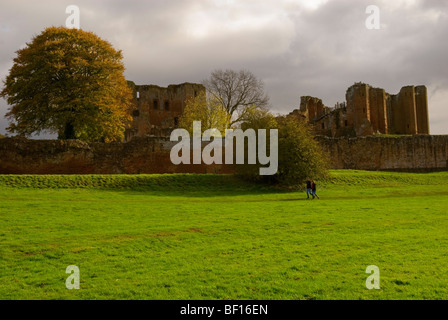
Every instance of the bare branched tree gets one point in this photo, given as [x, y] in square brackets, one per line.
[237, 91]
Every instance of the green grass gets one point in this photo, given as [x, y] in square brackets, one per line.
[213, 237]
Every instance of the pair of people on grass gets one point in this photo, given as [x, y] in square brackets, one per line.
[311, 189]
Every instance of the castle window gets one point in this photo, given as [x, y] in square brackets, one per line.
[195, 93]
[138, 95]
[346, 123]
[176, 122]
[167, 105]
[155, 104]
[135, 113]
[323, 125]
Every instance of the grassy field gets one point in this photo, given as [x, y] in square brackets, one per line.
[213, 237]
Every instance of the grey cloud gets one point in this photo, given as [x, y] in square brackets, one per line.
[295, 50]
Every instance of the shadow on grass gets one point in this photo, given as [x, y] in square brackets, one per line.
[212, 188]
[176, 185]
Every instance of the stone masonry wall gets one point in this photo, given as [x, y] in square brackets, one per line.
[413, 153]
[140, 155]
[157, 109]
[152, 155]
[369, 110]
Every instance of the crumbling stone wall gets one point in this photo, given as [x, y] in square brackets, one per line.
[152, 155]
[140, 155]
[368, 111]
[157, 109]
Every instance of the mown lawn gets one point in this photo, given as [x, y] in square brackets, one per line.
[213, 237]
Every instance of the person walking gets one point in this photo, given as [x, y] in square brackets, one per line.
[313, 189]
[308, 188]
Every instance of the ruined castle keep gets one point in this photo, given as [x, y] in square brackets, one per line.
[369, 111]
[157, 109]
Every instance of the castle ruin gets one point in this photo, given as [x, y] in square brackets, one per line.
[157, 109]
[369, 111]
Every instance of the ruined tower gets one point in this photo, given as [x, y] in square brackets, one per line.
[358, 107]
[308, 105]
[421, 105]
[157, 109]
[407, 112]
[370, 110]
[378, 111]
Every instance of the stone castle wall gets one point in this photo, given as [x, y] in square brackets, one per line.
[140, 155]
[152, 155]
[413, 153]
[157, 109]
[369, 110]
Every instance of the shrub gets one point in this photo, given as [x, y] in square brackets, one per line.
[299, 154]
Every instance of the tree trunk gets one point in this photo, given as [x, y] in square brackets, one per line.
[69, 132]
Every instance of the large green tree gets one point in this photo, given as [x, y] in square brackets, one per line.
[299, 154]
[70, 82]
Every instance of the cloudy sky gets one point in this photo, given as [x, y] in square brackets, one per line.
[309, 47]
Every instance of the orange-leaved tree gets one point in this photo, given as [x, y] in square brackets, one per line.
[70, 82]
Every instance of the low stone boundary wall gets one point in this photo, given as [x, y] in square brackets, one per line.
[152, 155]
[408, 153]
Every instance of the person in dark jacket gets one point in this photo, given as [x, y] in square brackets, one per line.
[308, 188]
[313, 190]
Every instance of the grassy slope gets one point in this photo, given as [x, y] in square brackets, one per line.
[212, 237]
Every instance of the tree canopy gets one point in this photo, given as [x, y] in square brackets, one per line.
[299, 154]
[236, 91]
[208, 110]
[70, 82]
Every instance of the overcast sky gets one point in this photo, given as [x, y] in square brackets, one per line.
[310, 47]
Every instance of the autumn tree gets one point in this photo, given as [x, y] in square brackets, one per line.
[236, 91]
[70, 82]
[208, 110]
